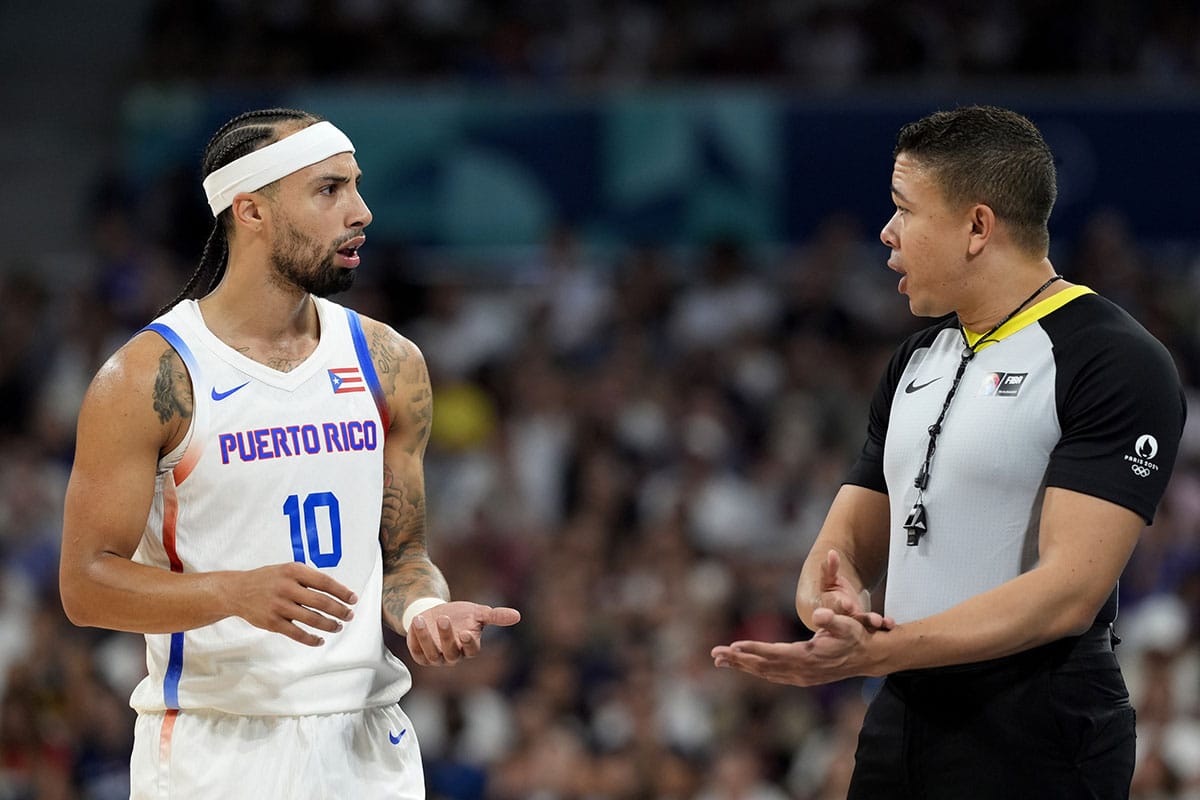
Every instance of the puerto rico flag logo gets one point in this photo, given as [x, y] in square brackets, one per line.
[346, 379]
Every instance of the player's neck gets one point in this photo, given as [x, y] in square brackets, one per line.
[248, 305]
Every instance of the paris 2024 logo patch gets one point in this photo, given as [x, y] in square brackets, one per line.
[1142, 459]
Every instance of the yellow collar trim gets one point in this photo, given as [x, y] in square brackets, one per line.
[1029, 316]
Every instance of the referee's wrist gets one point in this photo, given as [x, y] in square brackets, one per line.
[418, 606]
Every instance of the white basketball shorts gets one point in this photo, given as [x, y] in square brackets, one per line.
[201, 755]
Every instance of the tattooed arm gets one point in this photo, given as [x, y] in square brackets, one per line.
[446, 632]
[408, 572]
[138, 407]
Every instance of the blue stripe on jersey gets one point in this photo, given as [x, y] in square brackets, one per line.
[174, 672]
[178, 345]
[175, 660]
[368, 368]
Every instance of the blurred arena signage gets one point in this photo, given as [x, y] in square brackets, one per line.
[464, 168]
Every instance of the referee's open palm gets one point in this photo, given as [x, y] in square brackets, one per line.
[835, 652]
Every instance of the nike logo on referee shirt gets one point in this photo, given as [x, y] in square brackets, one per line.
[222, 395]
[395, 738]
[913, 386]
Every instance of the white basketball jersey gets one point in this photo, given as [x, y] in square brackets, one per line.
[275, 467]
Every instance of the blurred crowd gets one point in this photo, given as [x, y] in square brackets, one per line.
[825, 43]
[635, 447]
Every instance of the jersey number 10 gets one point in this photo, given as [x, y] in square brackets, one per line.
[311, 535]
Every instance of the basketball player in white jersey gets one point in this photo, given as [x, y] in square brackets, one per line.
[248, 492]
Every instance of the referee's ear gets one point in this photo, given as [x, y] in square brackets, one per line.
[982, 221]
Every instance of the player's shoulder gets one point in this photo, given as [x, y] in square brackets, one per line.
[145, 383]
[402, 373]
[138, 365]
[388, 345]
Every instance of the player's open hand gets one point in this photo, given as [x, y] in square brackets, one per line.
[448, 633]
[277, 597]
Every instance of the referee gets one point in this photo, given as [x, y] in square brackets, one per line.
[1015, 449]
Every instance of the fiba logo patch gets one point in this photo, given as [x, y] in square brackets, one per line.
[1142, 462]
[1002, 384]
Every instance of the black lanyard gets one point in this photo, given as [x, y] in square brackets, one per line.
[917, 523]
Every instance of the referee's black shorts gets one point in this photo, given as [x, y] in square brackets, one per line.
[1054, 722]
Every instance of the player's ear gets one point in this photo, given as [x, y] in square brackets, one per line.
[249, 210]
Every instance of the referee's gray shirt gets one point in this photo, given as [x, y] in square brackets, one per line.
[1072, 393]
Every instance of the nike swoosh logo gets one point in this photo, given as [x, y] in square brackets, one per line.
[395, 738]
[222, 395]
[913, 387]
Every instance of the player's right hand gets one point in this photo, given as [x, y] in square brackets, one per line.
[277, 597]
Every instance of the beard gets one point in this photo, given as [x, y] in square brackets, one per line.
[300, 262]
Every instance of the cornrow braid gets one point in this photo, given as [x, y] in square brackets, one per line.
[239, 136]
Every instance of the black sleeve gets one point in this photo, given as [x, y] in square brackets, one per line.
[1121, 408]
[867, 470]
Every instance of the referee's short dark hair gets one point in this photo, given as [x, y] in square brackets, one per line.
[989, 155]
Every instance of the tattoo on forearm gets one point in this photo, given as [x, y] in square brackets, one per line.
[402, 525]
[172, 388]
[407, 569]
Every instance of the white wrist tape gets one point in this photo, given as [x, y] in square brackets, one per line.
[268, 164]
[416, 607]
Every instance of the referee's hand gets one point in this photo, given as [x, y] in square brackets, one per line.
[838, 650]
[840, 596]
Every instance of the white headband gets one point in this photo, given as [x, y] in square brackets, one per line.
[268, 164]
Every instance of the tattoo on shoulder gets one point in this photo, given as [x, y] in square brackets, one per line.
[405, 380]
[387, 356]
[172, 388]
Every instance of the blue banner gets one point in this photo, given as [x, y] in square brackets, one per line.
[680, 165]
